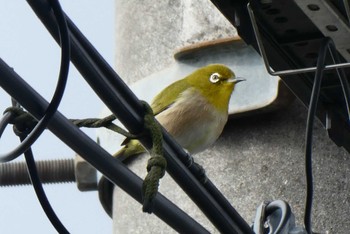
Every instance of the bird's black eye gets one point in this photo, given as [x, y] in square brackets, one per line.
[214, 78]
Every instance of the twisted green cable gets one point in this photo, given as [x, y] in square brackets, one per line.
[156, 164]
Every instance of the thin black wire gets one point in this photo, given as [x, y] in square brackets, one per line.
[6, 118]
[51, 110]
[40, 193]
[61, 84]
[309, 133]
[327, 44]
[342, 77]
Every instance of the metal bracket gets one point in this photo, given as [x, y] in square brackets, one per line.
[266, 61]
[329, 21]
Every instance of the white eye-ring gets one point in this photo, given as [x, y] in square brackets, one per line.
[214, 78]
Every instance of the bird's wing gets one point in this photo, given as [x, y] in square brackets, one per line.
[168, 96]
[160, 103]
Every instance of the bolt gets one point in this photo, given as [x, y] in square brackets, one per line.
[51, 171]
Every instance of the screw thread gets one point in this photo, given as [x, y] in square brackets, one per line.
[50, 171]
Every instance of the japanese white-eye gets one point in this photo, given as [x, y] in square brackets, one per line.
[194, 110]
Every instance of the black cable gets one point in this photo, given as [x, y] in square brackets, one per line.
[27, 141]
[4, 122]
[36, 182]
[327, 44]
[110, 75]
[40, 193]
[83, 145]
[309, 132]
[113, 94]
[7, 117]
[342, 77]
[185, 158]
[61, 84]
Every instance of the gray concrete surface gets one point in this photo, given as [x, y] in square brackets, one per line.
[257, 158]
[265, 159]
[148, 32]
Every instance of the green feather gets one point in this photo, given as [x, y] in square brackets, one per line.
[168, 96]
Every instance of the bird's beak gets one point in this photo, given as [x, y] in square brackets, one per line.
[236, 80]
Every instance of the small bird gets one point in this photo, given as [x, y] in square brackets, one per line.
[194, 110]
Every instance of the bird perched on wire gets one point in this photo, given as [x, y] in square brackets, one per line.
[194, 110]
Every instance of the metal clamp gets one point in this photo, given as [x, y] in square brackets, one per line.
[276, 217]
[266, 61]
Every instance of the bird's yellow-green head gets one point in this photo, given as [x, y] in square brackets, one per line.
[216, 83]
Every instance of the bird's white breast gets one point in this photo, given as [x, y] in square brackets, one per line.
[192, 121]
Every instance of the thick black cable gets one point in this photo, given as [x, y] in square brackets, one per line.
[110, 95]
[122, 102]
[58, 94]
[40, 193]
[185, 158]
[110, 75]
[309, 133]
[83, 145]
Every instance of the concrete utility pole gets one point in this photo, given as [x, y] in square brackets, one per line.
[259, 156]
